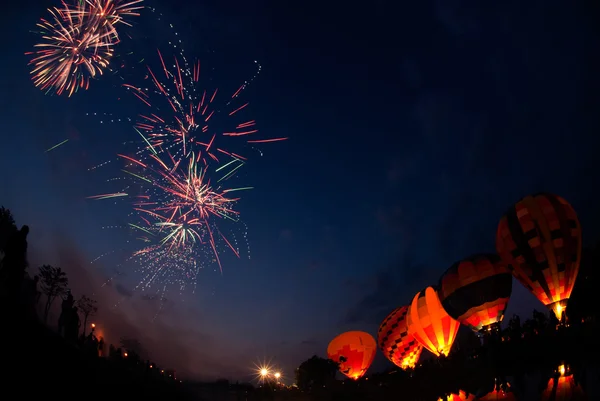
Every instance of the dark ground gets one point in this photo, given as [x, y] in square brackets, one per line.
[39, 363]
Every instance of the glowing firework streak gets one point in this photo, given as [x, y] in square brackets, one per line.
[77, 44]
[178, 207]
[107, 14]
[187, 128]
[57, 145]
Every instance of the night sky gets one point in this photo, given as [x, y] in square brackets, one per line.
[412, 129]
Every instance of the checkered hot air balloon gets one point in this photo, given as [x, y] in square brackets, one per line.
[461, 396]
[354, 351]
[396, 343]
[539, 240]
[475, 291]
[430, 324]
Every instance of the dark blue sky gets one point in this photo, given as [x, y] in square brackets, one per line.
[412, 129]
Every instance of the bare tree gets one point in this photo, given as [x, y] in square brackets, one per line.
[54, 282]
[88, 308]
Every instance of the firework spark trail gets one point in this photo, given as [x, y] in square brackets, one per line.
[174, 173]
[187, 127]
[183, 117]
[178, 207]
[106, 14]
[77, 43]
[56, 146]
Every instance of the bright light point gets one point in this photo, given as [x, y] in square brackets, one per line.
[562, 370]
[277, 375]
[264, 372]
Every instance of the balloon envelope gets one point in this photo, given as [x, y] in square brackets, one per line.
[475, 291]
[430, 324]
[400, 347]
[354, 351]
[539, 240]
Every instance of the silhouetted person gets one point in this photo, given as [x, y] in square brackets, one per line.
[15, 262]
[101, 346]
[66, 314]
[30, 295]
[72, 325]
[34, 286]
[112, 352]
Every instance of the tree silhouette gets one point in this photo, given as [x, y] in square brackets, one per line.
[133, 346]
[13, 254]
[88, 308]
[54, 282]
[315, 372]
[7, 227]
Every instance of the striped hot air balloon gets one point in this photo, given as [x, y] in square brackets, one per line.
[354, 351]
[430, 324]
[539, 240]
[475, 291]
[396, 343]
[461, 396]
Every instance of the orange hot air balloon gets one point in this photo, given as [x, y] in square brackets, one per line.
[562, 387]
[394, 341]
[461, 396]
[430, 324]
[475, 291]
[539, 240]
[354, 351]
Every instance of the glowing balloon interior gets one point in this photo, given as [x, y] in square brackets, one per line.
[354, 351]
[430, 324]
[475, 291]
[398, 346]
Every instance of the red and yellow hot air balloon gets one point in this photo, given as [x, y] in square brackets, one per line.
[539, 240]
[461, 396]
[430, 324]
[396, 343]
[354, 351]
[475, 291]
[562, 387]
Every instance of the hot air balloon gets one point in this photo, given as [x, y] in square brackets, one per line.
[430, 324]
[394, 341]
[475, 291]
[562, 387]
[539, 240]
[354, 351]
[461, 396]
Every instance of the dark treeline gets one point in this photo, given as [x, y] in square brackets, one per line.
[540, 345]
[73, 362]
